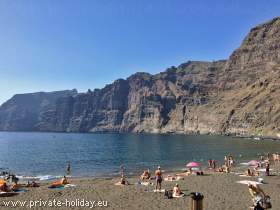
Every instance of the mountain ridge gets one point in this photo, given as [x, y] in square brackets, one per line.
[237, 96]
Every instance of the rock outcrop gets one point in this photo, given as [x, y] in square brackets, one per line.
[238, 96]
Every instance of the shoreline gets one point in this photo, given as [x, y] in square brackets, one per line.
[234, 135]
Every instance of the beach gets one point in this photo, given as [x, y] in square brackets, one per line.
[220, 190]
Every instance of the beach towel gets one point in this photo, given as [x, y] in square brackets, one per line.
[159, 191]
[56, 187]
[248, 182]
[179, 196]
[69, 185]
[62, 186]
[20, 190]
[244, 175]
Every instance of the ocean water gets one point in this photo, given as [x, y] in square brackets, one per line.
[47, 154]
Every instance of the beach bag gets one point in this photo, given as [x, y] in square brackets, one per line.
[258, 207]
[168, 194]
[266, 204]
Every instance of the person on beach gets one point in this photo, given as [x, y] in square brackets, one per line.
[177, 191]
[122, 170]
[267, 169]
[158, 174]
[64, 181]
[123, 180]
[256, 193]
[227, 169]
[256, 171]
[226, 161]
[231, 161]
[4, 187]
[146, 175]
[209, 163]
[249, 172]
[214, 162]
[32, 184]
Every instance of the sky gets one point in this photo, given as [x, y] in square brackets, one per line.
[85, 44]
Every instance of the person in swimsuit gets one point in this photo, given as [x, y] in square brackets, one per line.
[123, 180]
[64, 181]
[146, 175]
[256, 192]
[158, 174]
[4, 187]
[68, 169]
[177, 191]
[267, 169]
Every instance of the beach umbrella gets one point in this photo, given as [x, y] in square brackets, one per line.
[253, 163]
[192, 165]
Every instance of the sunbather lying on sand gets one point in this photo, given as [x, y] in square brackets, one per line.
[220, 169]
[59, 183]
[186, 173]
[171, 178]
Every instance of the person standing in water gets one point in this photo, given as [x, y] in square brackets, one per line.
[68, 169]
[158, 174]
[122, 170]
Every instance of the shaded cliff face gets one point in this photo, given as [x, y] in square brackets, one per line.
[23, 111]
[100, 110]
[235, 96]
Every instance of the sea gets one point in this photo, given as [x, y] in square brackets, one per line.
[46, 155]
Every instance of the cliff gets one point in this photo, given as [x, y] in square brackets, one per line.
[23, 111]
[240, 95]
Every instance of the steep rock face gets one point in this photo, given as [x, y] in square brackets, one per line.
[100, 110]
[257, 55]
[240, 95]
[22, 111]
[249, 84]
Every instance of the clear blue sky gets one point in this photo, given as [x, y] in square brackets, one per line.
[63, 44]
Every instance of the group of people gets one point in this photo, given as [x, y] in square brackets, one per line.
[15, 186]
[146, 175]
